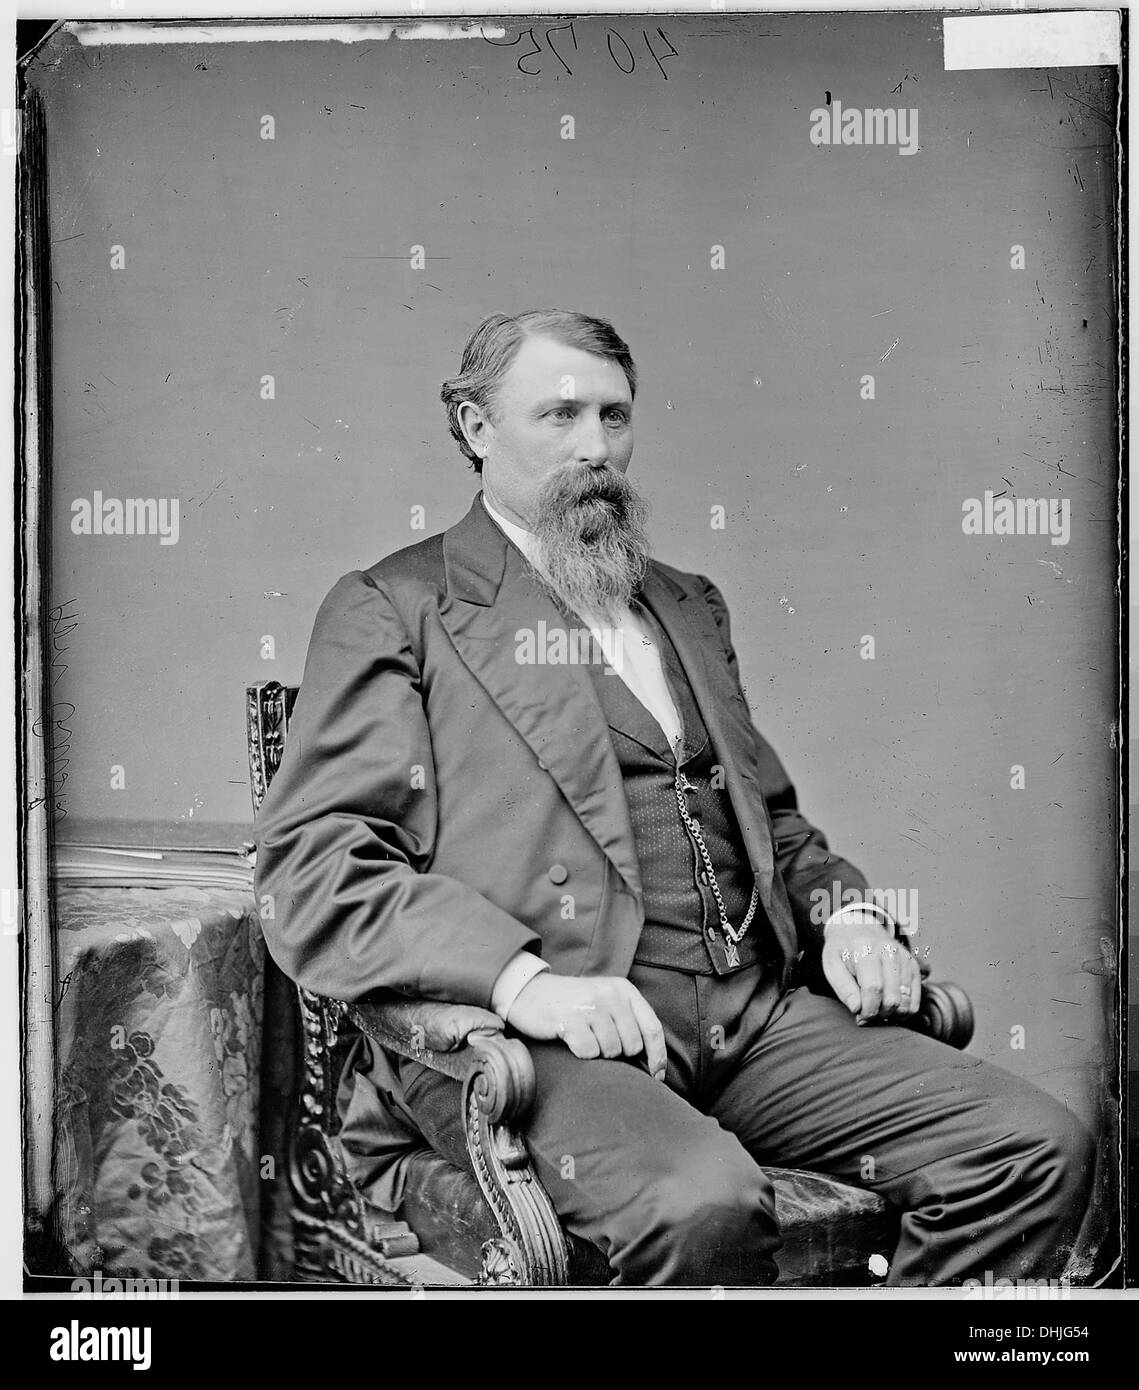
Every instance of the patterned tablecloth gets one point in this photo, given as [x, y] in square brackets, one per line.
[159, 1040]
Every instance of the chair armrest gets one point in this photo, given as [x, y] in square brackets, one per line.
[462, 1041]
[496, 1076]
[946, 1014]
[413, 1027]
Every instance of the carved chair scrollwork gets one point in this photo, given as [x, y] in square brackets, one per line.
[500, 1227]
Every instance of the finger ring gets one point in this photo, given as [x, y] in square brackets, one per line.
[844, 955]
[903, 989]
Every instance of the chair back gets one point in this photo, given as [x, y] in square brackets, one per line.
[319, 1183]
[268, 708]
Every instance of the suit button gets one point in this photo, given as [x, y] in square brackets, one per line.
[558, 873]
[703, 877]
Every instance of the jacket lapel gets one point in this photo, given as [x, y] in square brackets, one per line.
[493, 602]
[492, 608]
[626, 715]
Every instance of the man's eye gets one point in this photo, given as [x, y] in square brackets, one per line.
[618, 417]
[562, 412]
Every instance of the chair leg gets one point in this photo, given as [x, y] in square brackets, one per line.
[328, 1254]
[501, 1265]
[532, 1248]
[330, 1234]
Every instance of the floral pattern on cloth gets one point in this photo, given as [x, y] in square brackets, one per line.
[159, 1041]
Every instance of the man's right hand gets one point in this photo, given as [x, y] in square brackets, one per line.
[606, 1017]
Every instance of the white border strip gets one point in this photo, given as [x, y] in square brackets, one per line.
[105, 35]
[1059, 39]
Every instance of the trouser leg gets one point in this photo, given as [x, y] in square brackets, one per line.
[667, 1194]
[990, 1173]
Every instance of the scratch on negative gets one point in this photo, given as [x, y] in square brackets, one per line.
[890, 349]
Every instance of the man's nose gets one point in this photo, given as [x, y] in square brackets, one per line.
[591, 444]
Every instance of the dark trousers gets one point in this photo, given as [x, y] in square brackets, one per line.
[989, 1172]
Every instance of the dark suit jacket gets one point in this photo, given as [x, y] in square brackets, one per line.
[438, 801]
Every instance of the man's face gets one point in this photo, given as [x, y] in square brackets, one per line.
[557, 408]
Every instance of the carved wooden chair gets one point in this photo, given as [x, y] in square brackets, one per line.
[499, 1227]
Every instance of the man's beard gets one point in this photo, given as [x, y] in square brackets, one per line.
[592, 551]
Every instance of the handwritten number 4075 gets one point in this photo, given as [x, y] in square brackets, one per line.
[621, 53]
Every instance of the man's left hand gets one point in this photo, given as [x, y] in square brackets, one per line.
[874, 975]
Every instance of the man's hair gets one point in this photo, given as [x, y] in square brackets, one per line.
[493, 346]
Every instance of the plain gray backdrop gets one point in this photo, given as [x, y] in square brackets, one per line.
[291, 257]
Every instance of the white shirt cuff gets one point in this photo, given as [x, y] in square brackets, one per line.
[518, 971]
[852, 911]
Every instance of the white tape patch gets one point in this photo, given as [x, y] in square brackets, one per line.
[1060, 39]
[93, 32]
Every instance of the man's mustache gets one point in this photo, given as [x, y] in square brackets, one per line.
[577, 486]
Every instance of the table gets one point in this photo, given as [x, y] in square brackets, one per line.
[157, 1167]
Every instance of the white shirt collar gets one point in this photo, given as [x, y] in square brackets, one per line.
[522, 538]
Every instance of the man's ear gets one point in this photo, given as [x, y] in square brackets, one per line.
[475, 426]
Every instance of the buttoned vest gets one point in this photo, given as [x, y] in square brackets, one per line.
[682, 920]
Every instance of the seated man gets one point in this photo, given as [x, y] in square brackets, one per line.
[521, 774]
